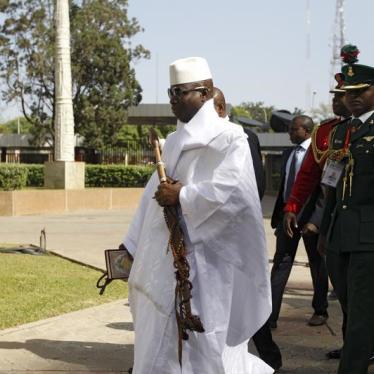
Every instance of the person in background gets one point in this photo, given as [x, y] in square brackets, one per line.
[348, 224]
[307, 228]
[310, 173]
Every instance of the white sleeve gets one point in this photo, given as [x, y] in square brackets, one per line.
[201, 200]
[131, 238]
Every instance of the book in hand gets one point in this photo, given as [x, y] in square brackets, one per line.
[118, 263]
[118, 266]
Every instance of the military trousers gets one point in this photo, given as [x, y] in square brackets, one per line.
[352, 275]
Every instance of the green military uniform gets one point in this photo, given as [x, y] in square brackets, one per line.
[349, 217]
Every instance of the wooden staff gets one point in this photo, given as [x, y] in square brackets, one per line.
[153, 139]
[185, 319]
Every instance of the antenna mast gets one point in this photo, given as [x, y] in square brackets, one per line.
[308, 21]
[338, 40]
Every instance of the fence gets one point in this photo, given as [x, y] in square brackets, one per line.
[132, 153]
[26, 155]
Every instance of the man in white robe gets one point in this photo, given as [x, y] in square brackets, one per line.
[224, 234]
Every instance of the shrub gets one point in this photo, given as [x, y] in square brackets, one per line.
[12, 177]
[117, 175]
[35, 175]
[17, 176]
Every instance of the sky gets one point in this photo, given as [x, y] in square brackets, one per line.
[257, 50]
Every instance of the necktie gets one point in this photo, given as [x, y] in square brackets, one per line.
[291, 174]
[355, 124]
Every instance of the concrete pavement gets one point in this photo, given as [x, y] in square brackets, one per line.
[99, 339]
[83, 236]
[94, 340]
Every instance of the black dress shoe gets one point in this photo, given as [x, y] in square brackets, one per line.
[332, 296]
[334, 355]
[318, 319]
[371, 359]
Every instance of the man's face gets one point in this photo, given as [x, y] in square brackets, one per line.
[185, 101]
[297, 132]
[338, 104]
[220, 109]
[360, 101]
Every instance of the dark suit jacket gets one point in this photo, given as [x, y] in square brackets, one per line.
[254, 145]
[309, 206]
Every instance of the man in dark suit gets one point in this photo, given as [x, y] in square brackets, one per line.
[254, 145]
[308, 222]
[253, 142]
[348, 222]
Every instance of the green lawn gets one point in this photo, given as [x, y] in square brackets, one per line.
[38, 287]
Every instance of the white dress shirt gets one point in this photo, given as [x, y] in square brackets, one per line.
[364, 117]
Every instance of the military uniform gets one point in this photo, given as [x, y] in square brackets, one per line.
[309, 176]
[310, 172]
[349, 226]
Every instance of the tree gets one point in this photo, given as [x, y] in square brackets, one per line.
[298, 111]
[253, 110]
[323, 112]
[12, 126]
[133, 135]
[104, 83]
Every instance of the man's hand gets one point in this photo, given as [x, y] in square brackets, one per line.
[168, 193]
[289, 223]
[309, 229]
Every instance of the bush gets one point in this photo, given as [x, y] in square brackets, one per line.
[12, 177]
[17, 176]
[117, 175]
[35, 175]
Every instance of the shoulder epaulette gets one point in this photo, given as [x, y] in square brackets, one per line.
[332, 153]
[328, 121]
[320, 138]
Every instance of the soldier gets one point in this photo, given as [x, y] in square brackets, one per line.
[348, 222]
[310, 173]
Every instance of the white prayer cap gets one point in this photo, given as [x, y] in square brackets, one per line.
[190, 69]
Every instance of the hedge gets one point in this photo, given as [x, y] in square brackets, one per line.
[35, 175]
[117, 175]
[17, 176]
[12, 177]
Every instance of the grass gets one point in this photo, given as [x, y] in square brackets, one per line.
[38, 287]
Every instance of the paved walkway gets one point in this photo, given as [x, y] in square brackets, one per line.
[99, 339]
[94, 340]
[83, 236]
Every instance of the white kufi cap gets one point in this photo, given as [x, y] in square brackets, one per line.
[190, 69]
